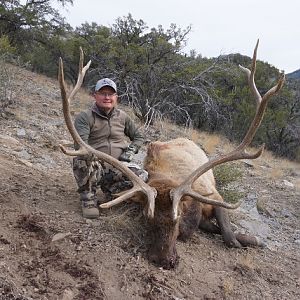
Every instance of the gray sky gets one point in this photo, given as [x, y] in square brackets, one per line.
[218, 26]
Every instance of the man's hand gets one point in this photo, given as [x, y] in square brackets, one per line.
[128, 153]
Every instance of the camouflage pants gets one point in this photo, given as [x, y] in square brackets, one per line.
[91, 174]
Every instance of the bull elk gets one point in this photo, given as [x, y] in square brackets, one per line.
[181, 193]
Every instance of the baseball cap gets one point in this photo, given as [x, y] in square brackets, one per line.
[105, 82]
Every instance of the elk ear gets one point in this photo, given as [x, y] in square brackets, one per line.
[184, 204]
[186, 200]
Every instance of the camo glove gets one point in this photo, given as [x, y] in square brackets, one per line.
[128, 153]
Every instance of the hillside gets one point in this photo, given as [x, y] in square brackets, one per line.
[294, 75]
[48, 251]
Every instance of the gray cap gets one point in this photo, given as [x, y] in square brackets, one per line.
[105, 82]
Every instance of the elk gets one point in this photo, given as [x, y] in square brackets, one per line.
[180, 195]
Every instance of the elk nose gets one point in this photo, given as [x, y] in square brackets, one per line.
[173, 262]
[160, 262]
[169, 263]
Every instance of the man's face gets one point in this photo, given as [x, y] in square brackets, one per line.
[106, 98]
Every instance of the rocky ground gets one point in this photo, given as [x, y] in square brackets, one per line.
[48, 251]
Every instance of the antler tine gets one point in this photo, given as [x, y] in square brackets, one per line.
[250, 75]
[260, 101]
[82, 71]
[66, 103]
[238, 153]
[139, 186]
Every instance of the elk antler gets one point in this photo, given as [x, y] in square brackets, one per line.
[139, 186]
[238, 153]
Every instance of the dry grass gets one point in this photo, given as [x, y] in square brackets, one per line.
[21, 115]
[228, 286]
[119, 217]
[168, 130]
[275, 173]
[127, 219]
[279, 162]
[246, 262]
[82, 101]
[296, 182]
[280, 168]
[211, 144]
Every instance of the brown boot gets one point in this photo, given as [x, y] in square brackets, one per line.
[88, 205]
[89, 209]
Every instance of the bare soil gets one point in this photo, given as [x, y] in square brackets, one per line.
[48, 251]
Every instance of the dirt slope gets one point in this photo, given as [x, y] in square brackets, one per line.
[48, 251]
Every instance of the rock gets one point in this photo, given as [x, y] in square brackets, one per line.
[9, 112]
[288, 184]
[46, 161]
[26, 162]
[23, 154]
[21, 133]
[251, 221]
[67, 295]
[295, 173]
[33, 135]
[286, 213]
[66, 143]
[256, 227]
[56, 122]
[10, 142]
[60, 236]
[262, 208]
[248, 163]
[55, 112]
[251, 196]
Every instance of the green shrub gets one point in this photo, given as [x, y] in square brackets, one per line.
[6, 73]
[226, 175]
[5, 47]
[6, 85]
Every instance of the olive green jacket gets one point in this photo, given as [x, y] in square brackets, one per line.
[107, 132]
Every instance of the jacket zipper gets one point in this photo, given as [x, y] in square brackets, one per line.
[108, 137]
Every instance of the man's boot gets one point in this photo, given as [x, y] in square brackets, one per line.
[88, 205]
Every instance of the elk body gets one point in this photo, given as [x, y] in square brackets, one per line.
[181, 194]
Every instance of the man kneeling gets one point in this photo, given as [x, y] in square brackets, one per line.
[105, 128]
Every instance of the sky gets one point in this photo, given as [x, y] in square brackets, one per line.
[218, 26]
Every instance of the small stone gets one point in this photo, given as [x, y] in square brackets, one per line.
[21, 133]
[248, 163]
[252, 196]
[60, 236]
[26, 162]
[288, 184]
[23, 154]
[67, 295]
